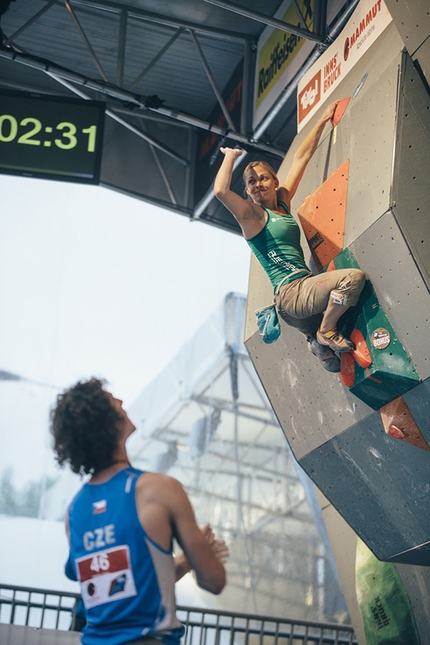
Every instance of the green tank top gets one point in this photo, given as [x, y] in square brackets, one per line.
[277, 247]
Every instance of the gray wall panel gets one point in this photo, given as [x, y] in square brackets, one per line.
[312, 405]
[416, 581]
[418, 401]
[422, 58]
[365, 135]
[379, 485]
[411, 186]
[384, 255]
[412, 20]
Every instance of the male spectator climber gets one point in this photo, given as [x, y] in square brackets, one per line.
[121, 526]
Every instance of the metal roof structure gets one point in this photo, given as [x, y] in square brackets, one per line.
[177, 79]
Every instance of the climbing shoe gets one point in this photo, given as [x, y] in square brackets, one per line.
[325, 355]
[335, 341]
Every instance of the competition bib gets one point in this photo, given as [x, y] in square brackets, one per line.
[105, 576]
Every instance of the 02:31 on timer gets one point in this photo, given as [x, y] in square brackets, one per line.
[31, 131]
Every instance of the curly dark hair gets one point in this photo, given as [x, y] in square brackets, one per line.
[85, 427]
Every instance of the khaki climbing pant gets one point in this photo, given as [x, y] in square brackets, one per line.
[302, 302]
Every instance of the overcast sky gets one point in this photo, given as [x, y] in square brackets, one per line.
[96, 283]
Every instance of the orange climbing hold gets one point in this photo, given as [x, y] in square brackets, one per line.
[347, 369]
[399, 423]
[361, 352]
[340, 111]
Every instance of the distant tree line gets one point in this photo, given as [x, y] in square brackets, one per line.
[24, 501]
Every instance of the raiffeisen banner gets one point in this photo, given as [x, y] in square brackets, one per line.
[280, 55]
[366, 24]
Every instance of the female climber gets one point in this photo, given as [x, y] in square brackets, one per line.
[311, 303]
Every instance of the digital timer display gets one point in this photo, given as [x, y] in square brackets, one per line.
[51, 137]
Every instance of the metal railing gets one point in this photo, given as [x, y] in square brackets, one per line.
[55, 610]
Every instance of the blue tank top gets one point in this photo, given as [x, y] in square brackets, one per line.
[277, 247]
[127, 581]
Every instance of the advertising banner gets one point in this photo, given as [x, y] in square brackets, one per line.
[366, 24]
[280, 55]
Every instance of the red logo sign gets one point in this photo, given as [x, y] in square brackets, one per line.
[309, 96]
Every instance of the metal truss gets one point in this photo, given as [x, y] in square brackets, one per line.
[112, 73]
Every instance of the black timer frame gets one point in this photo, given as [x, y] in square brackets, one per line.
[51, 137]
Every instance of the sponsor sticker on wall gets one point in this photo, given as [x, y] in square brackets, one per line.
[366, 24]
[280, 56]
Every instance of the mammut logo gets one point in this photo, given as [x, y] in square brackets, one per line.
[355, 36]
